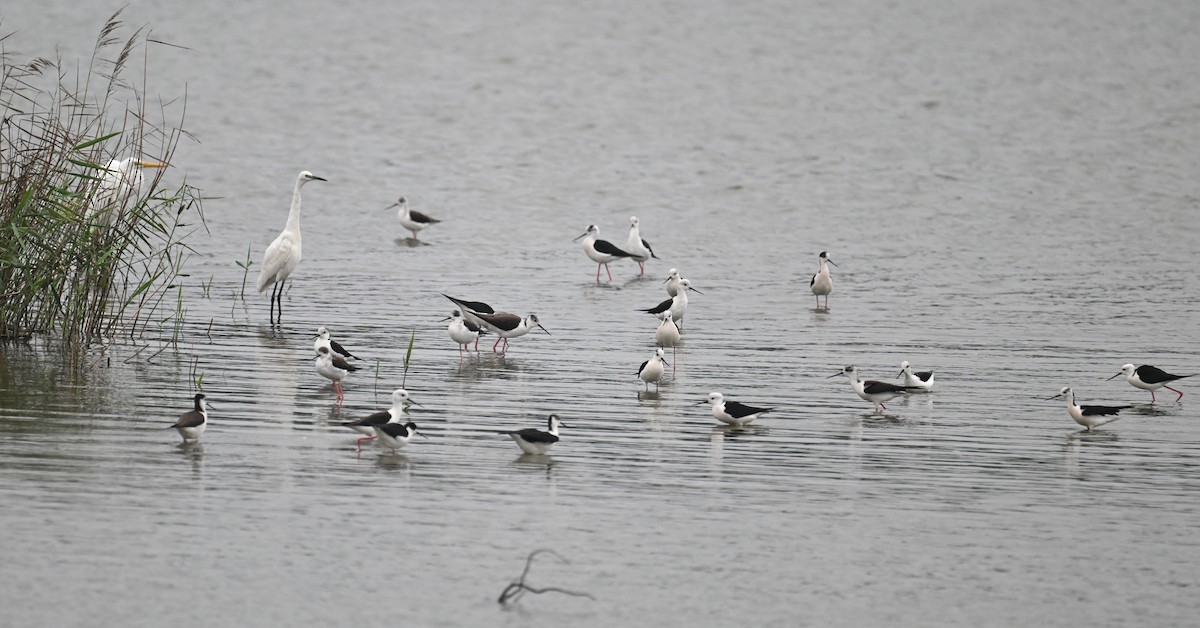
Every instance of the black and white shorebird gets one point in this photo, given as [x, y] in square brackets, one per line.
[507, 326]
[1088, 416]
[393, 436]
[667, 335]
[676, 305]
[471, 308]
[334, 368]
[412, 219]
[366, 425]
[921, 381]
[672, 282]
[1150, 378]
[652, 370]
[872, 390]
[732, 412]
[639, 249]
[537, 442]
[283, 255]
[463, 332]
[191, 424]
[323, 340]
[821, 283]
[600, 251]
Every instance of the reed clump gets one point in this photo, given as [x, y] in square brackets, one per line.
[89, 251]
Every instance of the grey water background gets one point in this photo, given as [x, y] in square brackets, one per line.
[1009, 189]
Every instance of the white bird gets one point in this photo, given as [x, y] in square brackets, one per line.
[672, 282]
[412, 219]
[393, 436]
[667, 335]
[463, 332]
[652, 370]
[600, 251]
[322, 340]
[1088, 416]
[872, 390]
[822, 283]
[917, 382]
[732, 412]
[366, 425]
[676, 305]
[121, 181]
[639, 250]
[537, 442]
[191, 424]
[331, 366]
[283, 256]
[1150, 378]
[507, 326]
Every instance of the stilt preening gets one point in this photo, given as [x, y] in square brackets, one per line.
[463, 332]
[600, 251]
[1150, 378]
[283, 255]
[1088, 416]
[470, 311]
[639, 250]
[332, 367]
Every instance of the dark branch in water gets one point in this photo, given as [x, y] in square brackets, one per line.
[516, 589]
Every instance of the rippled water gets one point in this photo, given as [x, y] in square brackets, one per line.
[1009, 190]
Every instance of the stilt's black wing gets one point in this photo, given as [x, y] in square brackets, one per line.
[531, 435]
[642, 367]
[872, 387]
[739, 410]
[608, 248]
[343, 364]
[1101, 410]
[191, 418]
[924, 375]
[647, 245]
[502, 320]
[474, 306]
[340, 350]
[1155, 375]
[660, 308]
[419, 217]
[379, 418]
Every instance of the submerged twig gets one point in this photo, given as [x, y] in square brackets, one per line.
[517, 588]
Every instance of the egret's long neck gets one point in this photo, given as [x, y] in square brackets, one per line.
[293, 223]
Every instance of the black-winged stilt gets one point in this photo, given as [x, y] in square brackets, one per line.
[1088, 416]
[537, 442]
[1150, 378]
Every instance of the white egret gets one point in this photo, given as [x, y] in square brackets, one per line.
[283, 256]
[121, 181]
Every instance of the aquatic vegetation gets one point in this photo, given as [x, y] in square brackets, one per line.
[91, 238]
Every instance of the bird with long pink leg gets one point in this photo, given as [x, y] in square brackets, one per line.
[333, 368]
[367, 424]
[600, 251]
[1150, 378]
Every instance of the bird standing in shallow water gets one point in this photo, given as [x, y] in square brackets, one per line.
[412, 219]
[652, 370]
[639, 250]
[916, 382]
[507, 326]
[191, 424]
[537, 442]
[822, 283]
[871, 390]
[322, 340]
[676, 306]
[600, 251]
[1150, 378]
[366, 425]
[1088, 416]
[393, 436]
[332, 367]
[283, 255]
[732, 412]
[463, 332]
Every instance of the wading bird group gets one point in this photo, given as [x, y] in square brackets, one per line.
[472, 319]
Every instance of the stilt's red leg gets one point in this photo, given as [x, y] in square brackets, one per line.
[642, 267]
[1152, 399]
[359, 441]
[597, 273]
[476, 344]
[497, 343]
[1178, 391]
[609, 271]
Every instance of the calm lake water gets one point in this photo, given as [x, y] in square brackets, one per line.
[1009, 189]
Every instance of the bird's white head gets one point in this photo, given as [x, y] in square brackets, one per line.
[848, 371]
[323, 353]
[660, 353]
[1065, 392]
[307, 176]
[322, 333]
[716, 398]
[1128, 369]
[686, 284]
[592, 231]
[533, 321]
[399, 396]
[554, 423]
[904, 366]
[633, 221]
[825, 258]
